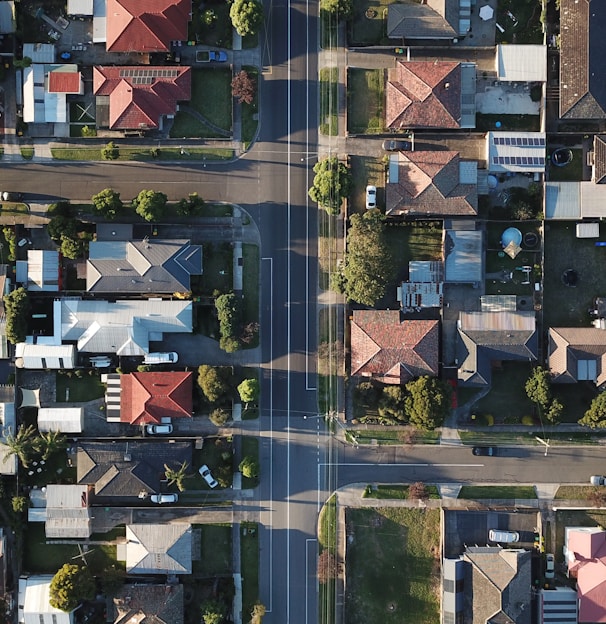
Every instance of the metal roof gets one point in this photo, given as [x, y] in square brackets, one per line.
[40, 52]
[562, 200]
[521, 63]
[463, 256]
[7, 17]
[516, 151]
[79, 7]
[63, 419]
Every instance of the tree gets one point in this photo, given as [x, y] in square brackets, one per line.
[110, 151]
[73, 248]
[50, 442]
[340, 8]
[176, 477]
[229, 312]
[368, 265]
[212, 611]
[428, 402]
[16, 308]
[19, 504]
[418, 491]
[11, 239]
[258, 613]
[332, 183]
[70, 586]
[26, 61]
[87, 132]
[151, 205]
[249, 391]
[107, 203]
[213, 383]
[22, 444]
[538, 388]
[243, 87]
[246, 16]
[554, 411]
[392, 403]
[62, 225]
[219, 417]
[193, 206]
[328, 566]
[595, 416]
[249, 467]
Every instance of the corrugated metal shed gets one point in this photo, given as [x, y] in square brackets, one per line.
[39, 52]
[562, 201]
[63, 419]
[80, 7]
[522, 63]
[67, 512]
[99, 21]
[588, 230]
[498, 303]
[42, 270]
[463, 256]
[468, 95]
[34, 602]
[40, 357]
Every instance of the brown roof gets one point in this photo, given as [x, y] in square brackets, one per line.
[146, 25]
[139, 96]
[438, 19]
[149, 604]
[391, 350]
[64, 82]
[428, 183]
[582, 52]
[423, 94]
[149, 397]
[570, 345]
[599, 159]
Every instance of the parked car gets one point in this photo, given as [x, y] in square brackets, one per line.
[7, 196]
[597, 480]
[371, 197]
[159, 429]
[100, 362]
[549, 566]
[207, 56]
[397, 146]
[207, 476]
[164, 499]
[488, 451]
[506, 537]
[161, 358]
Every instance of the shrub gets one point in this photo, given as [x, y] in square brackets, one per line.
[219, 417]
[110, 151]
[249, 467]
[328, 567]
[418, 491]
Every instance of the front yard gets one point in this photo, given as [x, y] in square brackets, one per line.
[365, 100]
[215, 555]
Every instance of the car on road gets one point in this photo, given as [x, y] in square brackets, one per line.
[391, 145]
[487, 451]
[597, 480]
[207, 476]
[8, 196]
[371, 197]
[549, 566]
[505, 537]
[159, 429]
[164, 499]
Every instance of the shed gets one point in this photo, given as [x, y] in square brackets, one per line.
[39, 52]
[463, 256]
[521, 63]
[588, 230]
[80, 7]
[42, 270]
[63, 419]
[34, 602]
[41, 357]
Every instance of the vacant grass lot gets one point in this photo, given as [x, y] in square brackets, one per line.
[369, 22]
[393, 566]
[471, 492]
[78, 389]
[215, 550]
[564, 306]
[365, 170]
[365, 100]
[573, 171]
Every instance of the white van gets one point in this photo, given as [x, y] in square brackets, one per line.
[505, 537]
[161, 358]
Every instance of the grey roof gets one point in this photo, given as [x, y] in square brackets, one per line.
[128, 468]
[7, 17]
[438, 19]
[463, 256]
[157, 266]
[159, 548]
[122, 327]
[149, 604]
[114, 231]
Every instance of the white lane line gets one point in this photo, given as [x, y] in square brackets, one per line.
[307, 542]
[288, 319]
[330, 465]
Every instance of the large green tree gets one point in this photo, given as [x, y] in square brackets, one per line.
[595, 416]
[249, 390]
[229, 312]
[70, 586]
[332, 184]
[368, 265]
[107, 203]
[392, 403]
[246, 16]
[249, 467]
[428, 402]
[23, 444]
[151, 205]
[538, 390]
[16, 308]
[339, 8]
[213, 382]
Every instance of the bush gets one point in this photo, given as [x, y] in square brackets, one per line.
[328, 567]
[110, 151]
[219, 417]
[249, 467]
[418, 491]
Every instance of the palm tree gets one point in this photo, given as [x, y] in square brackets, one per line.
[177, 477]
[22, 444]
[50, 443]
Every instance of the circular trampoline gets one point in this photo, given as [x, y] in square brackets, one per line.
[511, 235]
[531, 239]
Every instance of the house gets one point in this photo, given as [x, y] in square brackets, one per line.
[585, 559]
[138, 98]
[582, 53]
[62, 419]
[148, 604]
[390, 350]
[44, 356]
[128, 470]
[136, 26]
[431, 183]
[441, 20]
[577, 354]
[557, 605]
[423, 94]
[64, 509]
[34, 606]
[521, 63]
[487, 584]
[462, 249]
[41, 272]
[159, 266]
[157, 549]
[123, 327]
[515, 152]
[8, 422]
[153, 397]
[486, 337]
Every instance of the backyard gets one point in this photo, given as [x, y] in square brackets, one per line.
[365, 100]
[368, 23]
[71, 388]
[520, 20]
[393, 566]
[571, 172]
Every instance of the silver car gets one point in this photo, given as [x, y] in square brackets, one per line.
[164, 499]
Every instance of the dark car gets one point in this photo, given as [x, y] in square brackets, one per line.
[10, 196]
[487, 451]
[396, 146]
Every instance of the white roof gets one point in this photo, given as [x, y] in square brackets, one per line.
[40, 52]
[562, 200]
[79, 7]
[7, 17]
[99, 21]
[516, 151]
[37, 356]
[63, 419]
[593, 200]
[521, 63]
[43, 268]
[33, 94]
[588, 230]
[34, 605]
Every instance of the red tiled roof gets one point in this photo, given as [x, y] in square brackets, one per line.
[133, 105]
[390, 350]
[146, 25]
[149, 397]
[64, 82]
[423, 94]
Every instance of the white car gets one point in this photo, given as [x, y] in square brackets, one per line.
[207, 476]
[549, 566]
[100, 362]
[159, 429]
[371, 197]
[161, 358]
[506, 537]
[597, 480]
[163, 499]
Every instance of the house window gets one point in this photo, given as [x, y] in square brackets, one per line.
[449, 586]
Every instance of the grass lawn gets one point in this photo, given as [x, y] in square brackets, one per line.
[215, 550]
[250, 447]
[573, 171]
[365, 170]
[329, 101]
[508, 438]
[472, 492]
[330, 349]
[393, 566]
[218, 270]
[165, 153]
[526, 28]
[564, 306]
[13, 208]
[250, 287]
[250, 112]
[574, 492]
[249, 564]
[329, 32]
[396, 436]
[365, 100]
[327, 524]
[486, 122]
[576, 399]
[27, 153]
[217, 454]
[329, 246]
[327, 393]
[397, 491]
[369, 28]
[78, 389]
